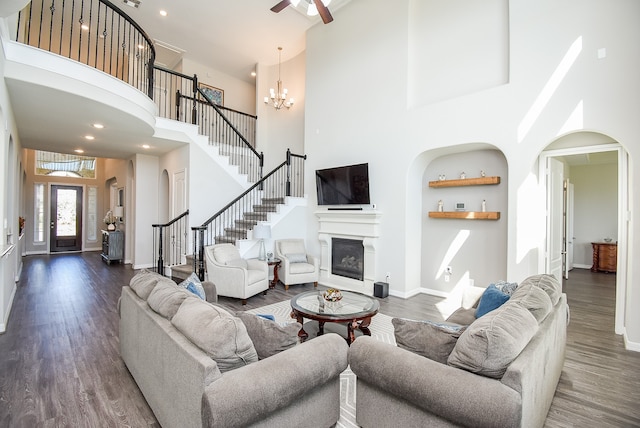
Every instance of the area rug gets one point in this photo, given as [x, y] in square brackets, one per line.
[381, 329]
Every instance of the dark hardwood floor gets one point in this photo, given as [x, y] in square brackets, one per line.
[60, 363]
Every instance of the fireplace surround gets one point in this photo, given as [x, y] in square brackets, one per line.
[363, 226]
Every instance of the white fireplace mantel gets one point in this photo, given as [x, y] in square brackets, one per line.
[363, 225]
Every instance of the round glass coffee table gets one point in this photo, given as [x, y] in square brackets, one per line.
[355, 309]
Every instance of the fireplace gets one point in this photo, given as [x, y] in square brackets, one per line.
[348, 244]
[347, 258]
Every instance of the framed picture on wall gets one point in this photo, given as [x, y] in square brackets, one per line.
[213, 94]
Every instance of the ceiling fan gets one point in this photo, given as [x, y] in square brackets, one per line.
[314, 6]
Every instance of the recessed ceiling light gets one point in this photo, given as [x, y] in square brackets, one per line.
[79, 151]
[253, 74]
[163, 12]
[85, 27]
[140, 46]
[89, 137]
[145, 146]
[98, 125]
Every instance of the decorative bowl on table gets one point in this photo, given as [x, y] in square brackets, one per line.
[332, 295]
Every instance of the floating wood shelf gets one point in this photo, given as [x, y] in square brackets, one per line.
[478, 181]
[466, 215]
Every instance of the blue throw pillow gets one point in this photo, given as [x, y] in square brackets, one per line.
[491, 299]
[267, 317]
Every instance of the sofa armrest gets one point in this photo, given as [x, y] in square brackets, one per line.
[448, 392]
[245, 395]
[210, 291]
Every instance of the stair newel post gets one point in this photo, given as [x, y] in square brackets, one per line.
[261, 165]
[200, 254]
[159, 266]
[288, 184]
[194, 110]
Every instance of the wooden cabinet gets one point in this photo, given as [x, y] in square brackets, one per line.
[112, 246]
[605, 256]
[466, 215]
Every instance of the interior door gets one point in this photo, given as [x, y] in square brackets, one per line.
[568, 234]
[66, 218]
[555, 218]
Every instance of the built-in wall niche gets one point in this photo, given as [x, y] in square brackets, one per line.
[472, 184]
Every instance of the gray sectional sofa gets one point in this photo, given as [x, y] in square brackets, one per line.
[502, 372]
[197, 366]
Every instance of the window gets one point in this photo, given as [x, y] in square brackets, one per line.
[63, 165]
[38, 213]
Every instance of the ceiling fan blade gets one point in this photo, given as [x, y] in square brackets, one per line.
[323, 11]
[277, 8]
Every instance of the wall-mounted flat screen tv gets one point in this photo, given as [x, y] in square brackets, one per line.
[344, 185]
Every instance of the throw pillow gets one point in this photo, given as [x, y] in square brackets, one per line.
[214, 330]
[491, 299]
[296, 257]
[237, 263]
[269, 337]
[193, 284]
[165, 299]
[506, 287]
[430, 339]
[462, 316]
[492, 342]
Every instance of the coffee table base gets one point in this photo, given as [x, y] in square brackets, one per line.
[361, 324]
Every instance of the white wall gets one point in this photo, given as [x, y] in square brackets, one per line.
[557, 85]
[595, 208]
[238, 94]
[145, 201]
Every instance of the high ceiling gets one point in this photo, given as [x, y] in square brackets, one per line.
[230, 36]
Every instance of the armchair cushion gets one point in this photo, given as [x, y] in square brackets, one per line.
[296, 257]
[237, 263]
[214, 330]
[292, 246]
[226, 253]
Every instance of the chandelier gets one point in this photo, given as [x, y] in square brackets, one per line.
[278, 96]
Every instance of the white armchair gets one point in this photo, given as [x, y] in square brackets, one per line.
[297, 266]
[234, 276]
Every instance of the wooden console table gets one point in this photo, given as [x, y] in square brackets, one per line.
[605, 256]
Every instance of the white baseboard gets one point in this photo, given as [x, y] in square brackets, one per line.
[416, 291]
[143, 266]
[629, 345]
[580, 267]
[3, 324]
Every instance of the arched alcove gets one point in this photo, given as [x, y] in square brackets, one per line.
[474, 248]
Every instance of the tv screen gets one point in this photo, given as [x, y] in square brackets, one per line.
[345, 185]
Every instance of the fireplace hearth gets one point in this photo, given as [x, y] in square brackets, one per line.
[347, 258]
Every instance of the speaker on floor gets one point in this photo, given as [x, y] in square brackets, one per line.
[381, 289]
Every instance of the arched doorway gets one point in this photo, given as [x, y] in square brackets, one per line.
[568, 150]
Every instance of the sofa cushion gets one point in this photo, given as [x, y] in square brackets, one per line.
[430, 339]
[534, 299]
[462, 316]
[269, 337]
[143, 282]
[165, 299]
[492, 342]
[549, 284]
[491, 299]
[214, 330]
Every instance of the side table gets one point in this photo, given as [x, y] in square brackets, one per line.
[276, 264]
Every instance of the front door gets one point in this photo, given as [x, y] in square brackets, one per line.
[66, 218]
